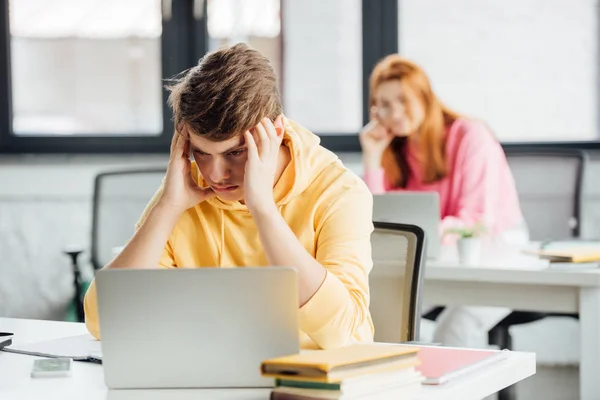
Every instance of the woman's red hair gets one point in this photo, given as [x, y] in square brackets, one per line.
[431, 133]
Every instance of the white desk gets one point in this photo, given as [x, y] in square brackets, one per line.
[529, 289]
[88, 379]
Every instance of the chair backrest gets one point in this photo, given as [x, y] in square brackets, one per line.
[590, 199]
[119, 200]
[395, 282]
[549, 185]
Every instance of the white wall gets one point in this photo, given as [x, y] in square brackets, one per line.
[45, 206]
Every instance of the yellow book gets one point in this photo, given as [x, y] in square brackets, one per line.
[335, 365]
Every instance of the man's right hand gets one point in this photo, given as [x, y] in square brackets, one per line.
[180, 190]
[374, 139]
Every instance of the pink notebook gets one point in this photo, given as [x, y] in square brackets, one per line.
[440, 364]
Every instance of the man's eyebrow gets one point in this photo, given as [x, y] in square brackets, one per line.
[238, 147]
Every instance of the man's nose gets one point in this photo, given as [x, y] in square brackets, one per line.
[220, 170]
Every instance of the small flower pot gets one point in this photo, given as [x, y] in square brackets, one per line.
[469, 250]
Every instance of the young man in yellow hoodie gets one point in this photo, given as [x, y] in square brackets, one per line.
[260, 192]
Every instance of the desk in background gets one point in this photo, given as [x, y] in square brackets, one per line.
[528, 288]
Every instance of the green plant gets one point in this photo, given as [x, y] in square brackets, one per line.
[467, 231]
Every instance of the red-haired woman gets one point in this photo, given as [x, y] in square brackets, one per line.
[413, 142]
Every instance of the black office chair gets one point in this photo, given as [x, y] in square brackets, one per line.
[551, 208]
[120, 197]
[549, 185]
[396, 281]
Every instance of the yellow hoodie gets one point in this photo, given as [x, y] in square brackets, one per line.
[327, 207]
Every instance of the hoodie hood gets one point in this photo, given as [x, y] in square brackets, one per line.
[308, 160]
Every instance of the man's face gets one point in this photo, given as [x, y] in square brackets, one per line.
[222, 164]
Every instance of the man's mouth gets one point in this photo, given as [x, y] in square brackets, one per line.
[222, 189]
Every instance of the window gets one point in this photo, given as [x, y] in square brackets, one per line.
[319, 64]
[528, 68]
[86, 67]
[87, 76]
[323, 64]
[256, 22]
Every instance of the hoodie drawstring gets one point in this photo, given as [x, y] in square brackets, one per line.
[222, 244]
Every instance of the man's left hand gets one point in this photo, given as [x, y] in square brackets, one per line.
[263, 142]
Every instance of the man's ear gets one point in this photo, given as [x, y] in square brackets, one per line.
[279, 125]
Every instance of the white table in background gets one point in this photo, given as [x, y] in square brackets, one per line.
[527, 287]
[87, 381]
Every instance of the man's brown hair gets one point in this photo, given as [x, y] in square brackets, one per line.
[228, 92]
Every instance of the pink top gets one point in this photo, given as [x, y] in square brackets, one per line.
[478, 187]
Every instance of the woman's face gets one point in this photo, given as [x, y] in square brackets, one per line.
[398, 108]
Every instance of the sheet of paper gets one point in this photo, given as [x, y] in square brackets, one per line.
[76, 347]
[572, 245]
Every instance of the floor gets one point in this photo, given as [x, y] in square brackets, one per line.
[550, 383]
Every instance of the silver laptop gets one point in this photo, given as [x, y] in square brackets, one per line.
[416, 208]
[195, 328]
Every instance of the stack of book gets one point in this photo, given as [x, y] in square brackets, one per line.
[568, 251]
[361, 371]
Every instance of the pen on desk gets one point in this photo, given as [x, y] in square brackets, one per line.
[94, 360]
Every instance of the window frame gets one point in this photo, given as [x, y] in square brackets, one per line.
[176, 55]
[184, 40]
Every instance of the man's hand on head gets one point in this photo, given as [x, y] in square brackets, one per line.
[263, 141]
[180, 190]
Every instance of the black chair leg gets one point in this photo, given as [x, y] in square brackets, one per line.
[433, 314]
[508, 393]
[500, 336]
[74, 254]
